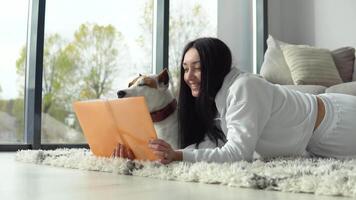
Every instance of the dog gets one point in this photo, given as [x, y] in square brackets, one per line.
[160, 101]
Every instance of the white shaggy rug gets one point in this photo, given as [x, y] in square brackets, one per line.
[315, 176]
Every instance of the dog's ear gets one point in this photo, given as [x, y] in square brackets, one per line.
[163, 77]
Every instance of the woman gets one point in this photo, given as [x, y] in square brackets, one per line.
[226, 115]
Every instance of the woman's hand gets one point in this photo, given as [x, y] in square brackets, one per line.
[123, 152]
[164, 151]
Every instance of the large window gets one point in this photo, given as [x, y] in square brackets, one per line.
[189, 19]
[91, 49]
[13, 23]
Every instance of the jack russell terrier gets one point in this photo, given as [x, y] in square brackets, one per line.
[160, 101]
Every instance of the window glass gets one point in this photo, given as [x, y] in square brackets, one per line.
[92, 48]
[13, 23]
[189, 19]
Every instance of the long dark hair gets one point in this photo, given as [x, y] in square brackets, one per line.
[196, 114]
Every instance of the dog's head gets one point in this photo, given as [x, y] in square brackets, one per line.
[153, 87]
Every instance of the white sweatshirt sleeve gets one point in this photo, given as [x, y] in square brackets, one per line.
[248, 108]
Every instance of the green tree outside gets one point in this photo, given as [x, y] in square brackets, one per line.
[96, 52]
[83, 68]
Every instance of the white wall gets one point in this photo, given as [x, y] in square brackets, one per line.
[323, 23]
[235, 29]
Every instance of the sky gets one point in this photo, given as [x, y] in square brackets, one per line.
[13, 31]
[64, 17]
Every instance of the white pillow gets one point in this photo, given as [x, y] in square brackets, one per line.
[311, 65]
[274, 67]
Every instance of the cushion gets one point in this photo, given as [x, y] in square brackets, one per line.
[274, 67]
[344, 88]
[344, 59]
[311, 66]
[311, 89]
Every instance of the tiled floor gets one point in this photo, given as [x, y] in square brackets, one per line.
[29, 181]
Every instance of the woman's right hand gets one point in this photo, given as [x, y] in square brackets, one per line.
[123, 152]
[164, 151]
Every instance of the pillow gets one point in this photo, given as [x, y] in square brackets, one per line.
[274, 67]
[276, 70]
[344, 59]
[343, 88]
[311, 66]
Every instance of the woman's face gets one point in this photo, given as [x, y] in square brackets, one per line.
[192, 69]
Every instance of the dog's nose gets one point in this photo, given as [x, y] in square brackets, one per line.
[121, 94]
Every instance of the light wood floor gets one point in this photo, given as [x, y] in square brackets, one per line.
[29, 181]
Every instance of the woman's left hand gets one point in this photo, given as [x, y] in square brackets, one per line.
[162, 150]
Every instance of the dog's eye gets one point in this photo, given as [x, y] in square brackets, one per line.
[142, 84]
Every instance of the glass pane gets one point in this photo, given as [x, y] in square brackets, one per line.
[92, 48]
[189, 19]
[13, 23]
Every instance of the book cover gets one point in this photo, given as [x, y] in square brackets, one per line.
[107, 122]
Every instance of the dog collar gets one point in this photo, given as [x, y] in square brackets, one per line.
[163, 113]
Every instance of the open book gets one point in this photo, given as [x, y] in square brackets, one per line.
[107, 122]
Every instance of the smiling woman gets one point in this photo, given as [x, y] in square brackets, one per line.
[253, 115]
[205, 63]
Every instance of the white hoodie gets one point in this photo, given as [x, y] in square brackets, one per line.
[259, 116]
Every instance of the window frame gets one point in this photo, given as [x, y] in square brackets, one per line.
[261, 32]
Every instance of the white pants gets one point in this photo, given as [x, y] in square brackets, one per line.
[336, 134]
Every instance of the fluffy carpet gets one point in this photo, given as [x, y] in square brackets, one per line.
[315, 176]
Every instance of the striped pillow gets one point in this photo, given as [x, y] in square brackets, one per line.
[344, 59]
[311, 66]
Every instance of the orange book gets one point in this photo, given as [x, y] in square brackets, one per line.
[107, 122]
